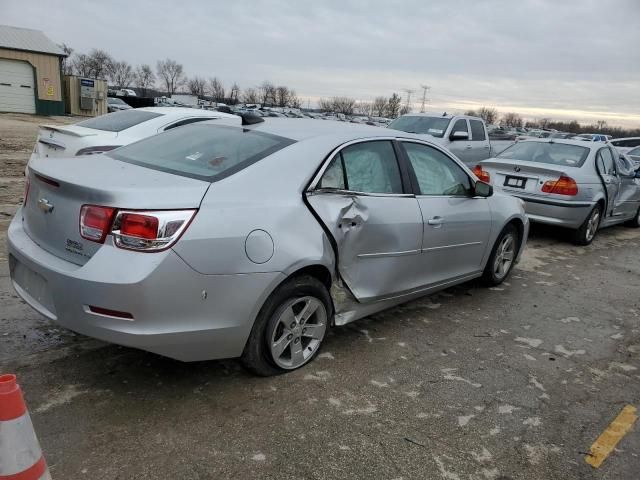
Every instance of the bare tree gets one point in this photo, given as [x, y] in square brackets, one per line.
[544, 122]
[250, 95]
[267, 93]
[121, 74]
[67, 66]
[325, 104]
[99, 63]
[196, 86]
[601, 124]
[144, 78]
[489, 115]
[405, 109]
[171, 74]
[282, 96]
[294, 100]
[512, 119]
[234, 94]
[379, 106]
[81, 65]
[216, 89]
[364, 108]
[471, 113]
[393, 106]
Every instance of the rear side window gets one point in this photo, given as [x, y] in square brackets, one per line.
[119, 121]
[206, 152]
[368, 167]
[477, 130]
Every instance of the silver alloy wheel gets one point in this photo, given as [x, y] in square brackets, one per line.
[592, 224]
[298, 332]
[505, 255]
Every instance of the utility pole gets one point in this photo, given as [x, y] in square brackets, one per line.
[425, 89]
[408, 91]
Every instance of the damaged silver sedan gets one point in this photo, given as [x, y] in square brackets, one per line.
[212, 241]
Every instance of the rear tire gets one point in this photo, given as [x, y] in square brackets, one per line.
[635, 221]
[290, 327]
[587, 231]
[503, 257]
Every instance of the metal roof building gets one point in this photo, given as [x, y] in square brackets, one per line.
[30, 72]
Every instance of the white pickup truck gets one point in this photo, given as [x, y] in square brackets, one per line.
[466, 137]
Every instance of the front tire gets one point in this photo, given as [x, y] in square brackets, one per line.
[587, 231]
[503, 257]
[290, 327]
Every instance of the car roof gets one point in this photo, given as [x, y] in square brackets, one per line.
[440, 115]
[301, 129]
[566, 141]
[182, 111]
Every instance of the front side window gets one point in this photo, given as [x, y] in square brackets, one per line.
[436, 173]
[460, 126]
[370, 167]
[203, 151]
[477, 130]
[118, 121]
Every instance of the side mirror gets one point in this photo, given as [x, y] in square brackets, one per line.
[482, 189]
[459, 135]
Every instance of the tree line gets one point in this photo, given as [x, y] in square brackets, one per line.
[515, 120]
[169, 78]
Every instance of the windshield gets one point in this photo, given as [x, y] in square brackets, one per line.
[547, 152]
[116, 101]
[205, 152]
[434, 126]
[118, 121]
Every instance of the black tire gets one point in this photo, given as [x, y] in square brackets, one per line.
[257, 356]
[491, 277]
[585, 235]
[635, 221]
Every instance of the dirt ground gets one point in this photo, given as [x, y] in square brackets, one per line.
[513, 382]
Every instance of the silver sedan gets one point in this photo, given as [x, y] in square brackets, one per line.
[212, 241]
[568, 183]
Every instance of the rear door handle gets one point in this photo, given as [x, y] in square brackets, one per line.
[468, 147]
[435, 221]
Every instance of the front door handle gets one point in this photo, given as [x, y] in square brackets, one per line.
[435, 221]
[468, 147]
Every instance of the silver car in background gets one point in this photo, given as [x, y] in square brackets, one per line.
[211, 241]
[568, 183]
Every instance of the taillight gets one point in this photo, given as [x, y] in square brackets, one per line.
[96, 150]
[562, 186]
[482, 175]
[95, 222]
[27, 184]
[150, 231]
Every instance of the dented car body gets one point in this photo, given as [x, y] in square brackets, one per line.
[213, 241]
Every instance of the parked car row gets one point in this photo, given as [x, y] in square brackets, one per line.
[209, 235]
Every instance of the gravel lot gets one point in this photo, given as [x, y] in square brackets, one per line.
[514, 382]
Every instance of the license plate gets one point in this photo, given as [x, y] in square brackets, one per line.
[515, 182]
[34, 285]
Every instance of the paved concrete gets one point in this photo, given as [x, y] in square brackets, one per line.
[514, 382]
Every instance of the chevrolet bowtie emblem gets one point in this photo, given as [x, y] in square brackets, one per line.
[45, 205]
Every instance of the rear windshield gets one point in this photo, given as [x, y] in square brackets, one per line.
[118, 121]
[434, 126]
[205, 152]
[547, 152]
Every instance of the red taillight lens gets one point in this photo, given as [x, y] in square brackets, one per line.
[140, 226]
[95, 222]
[482, 175]
[563, 186]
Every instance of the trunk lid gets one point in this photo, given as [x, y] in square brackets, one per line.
[57, 191]
[65, 141]
[508, 175]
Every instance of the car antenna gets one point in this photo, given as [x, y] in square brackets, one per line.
[444, 114]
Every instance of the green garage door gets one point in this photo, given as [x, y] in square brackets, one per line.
[17, 90]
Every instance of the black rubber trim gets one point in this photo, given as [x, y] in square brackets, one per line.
[555, 204]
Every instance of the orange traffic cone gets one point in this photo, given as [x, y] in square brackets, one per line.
[20, 454]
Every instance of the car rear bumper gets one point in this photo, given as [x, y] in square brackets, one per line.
[177, 312]
[556, 212]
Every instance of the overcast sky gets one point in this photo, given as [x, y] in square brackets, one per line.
[558, 59]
